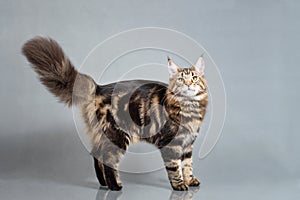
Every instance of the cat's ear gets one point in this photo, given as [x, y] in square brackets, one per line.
[173, 68]
[200, 65]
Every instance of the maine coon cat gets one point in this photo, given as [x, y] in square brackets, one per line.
[168, 116]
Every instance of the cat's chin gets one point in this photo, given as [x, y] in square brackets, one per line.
[189, 93]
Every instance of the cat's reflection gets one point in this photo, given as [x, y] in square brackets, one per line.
[105, 194]
[184, 195]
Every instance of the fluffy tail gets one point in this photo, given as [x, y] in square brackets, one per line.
[56, 71]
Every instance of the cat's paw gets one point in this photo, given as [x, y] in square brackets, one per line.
[102, 183]
[117, 187]
[194, 182]
[180, 186]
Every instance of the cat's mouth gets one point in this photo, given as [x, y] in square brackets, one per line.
[188, 88]
[189, 92]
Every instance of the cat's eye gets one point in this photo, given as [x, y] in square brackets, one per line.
[180, 80]
[195, 78]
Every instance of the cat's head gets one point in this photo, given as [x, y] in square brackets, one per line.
[188, 82]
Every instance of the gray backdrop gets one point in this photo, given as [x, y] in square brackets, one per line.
[255, 45]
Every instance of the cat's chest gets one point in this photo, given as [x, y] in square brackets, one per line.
[191, 118]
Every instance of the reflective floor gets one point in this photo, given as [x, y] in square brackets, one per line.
[89, 189]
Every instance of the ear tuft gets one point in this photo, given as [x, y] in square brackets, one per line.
[200, 65]
[173, 68]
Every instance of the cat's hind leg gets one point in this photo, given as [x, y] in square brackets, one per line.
[99, 169]
[114, 147]
[111, 161]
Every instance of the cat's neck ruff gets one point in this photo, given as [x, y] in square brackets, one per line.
[189, 100]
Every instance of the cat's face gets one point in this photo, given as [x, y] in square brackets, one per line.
[189, 82]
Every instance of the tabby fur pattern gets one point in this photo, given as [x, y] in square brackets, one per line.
[168, 116]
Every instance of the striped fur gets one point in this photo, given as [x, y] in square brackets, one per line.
[122, 113]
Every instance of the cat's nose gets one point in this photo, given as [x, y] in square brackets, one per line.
[188, 83]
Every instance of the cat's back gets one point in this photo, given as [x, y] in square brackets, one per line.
[130, 87]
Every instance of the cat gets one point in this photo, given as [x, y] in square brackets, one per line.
[118, 114]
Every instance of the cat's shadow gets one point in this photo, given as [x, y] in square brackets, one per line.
[105, 194]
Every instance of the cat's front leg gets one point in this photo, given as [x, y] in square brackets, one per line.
[187, 167]
[172, 160]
